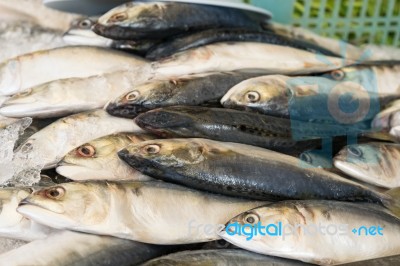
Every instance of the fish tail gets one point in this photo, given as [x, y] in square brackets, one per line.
[393, 201]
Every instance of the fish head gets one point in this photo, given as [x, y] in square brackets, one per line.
[241, 230]
[166, 122]
[10, 78]
[68, 205]
[129, 19]
[80, 33]
[368, 162]
[160, 154]
[90, 159]
[134, 14]
[143, 98]
[270, 96]
[32, 102]
[95, 159]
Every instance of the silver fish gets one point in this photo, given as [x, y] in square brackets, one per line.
[318, 232]
[382, 79]
[67, 96]
[53, 142]
[339, 47]
[308, 98]
[25, 71]
[151, 212]
[268, 58]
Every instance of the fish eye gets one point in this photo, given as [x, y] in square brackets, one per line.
[118, 17]
[252, 96]
[86, 151]
[355, 151]
[132, 96]
[337, 74]
[55, 193]
[24, 93]
[85, 24]
[251, 218]
[152, 149]
[306, 158]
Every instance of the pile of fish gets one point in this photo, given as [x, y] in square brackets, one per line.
[217, 137]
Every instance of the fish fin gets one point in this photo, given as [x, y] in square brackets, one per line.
[393, 204]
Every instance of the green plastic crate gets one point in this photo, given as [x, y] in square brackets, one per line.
[357, 21]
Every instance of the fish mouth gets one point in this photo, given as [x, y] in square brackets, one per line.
[226, 102]
[347, 168]
[226, 99]
[43, 216]
[125, 111]
[232, 105]
[26, 202]
[86, 37]
[132, 160]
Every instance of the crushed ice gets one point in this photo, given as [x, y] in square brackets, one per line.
[17, 169]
